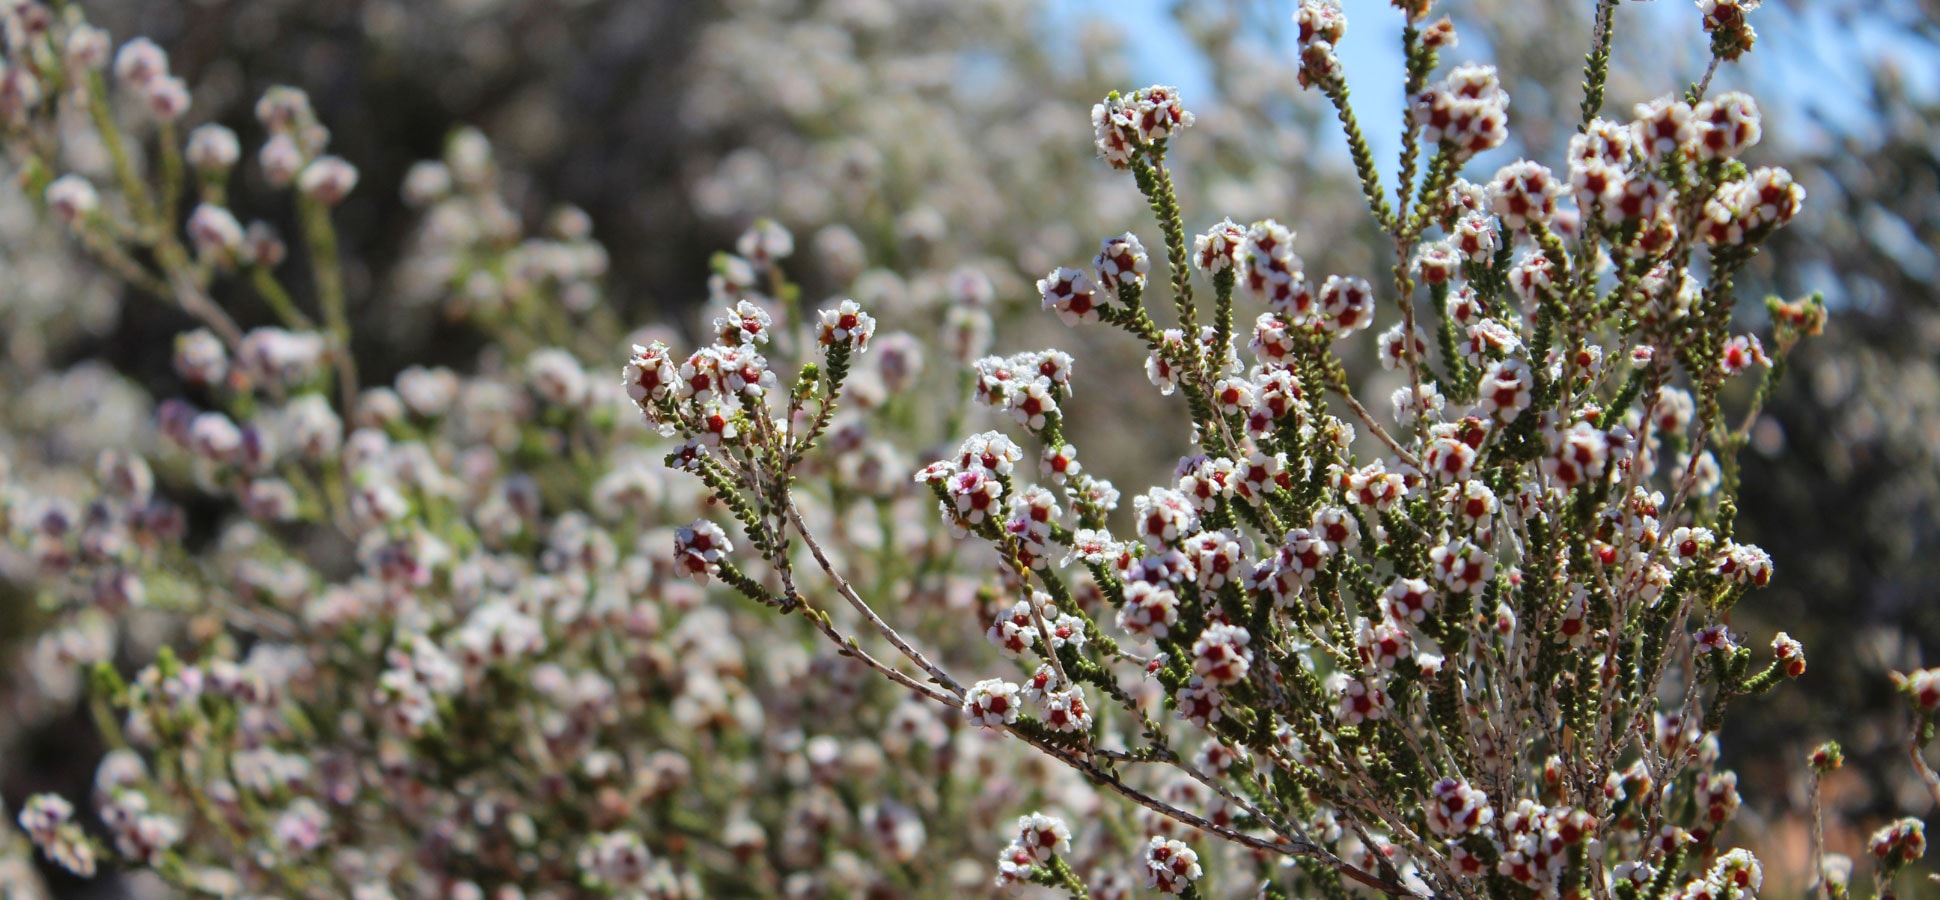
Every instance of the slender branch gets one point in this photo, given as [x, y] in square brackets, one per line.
[875, 621]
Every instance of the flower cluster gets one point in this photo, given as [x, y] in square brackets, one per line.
[475, 642]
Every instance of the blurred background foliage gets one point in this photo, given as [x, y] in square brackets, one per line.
[942, 134]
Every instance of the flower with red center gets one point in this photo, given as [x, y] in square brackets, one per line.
[1462, 566]
[1065, 711]
[1382, 644]
[1725, 126]
[1790, 654]
[1149, 610]
[1164, 516]
[1741, 353]
[1220, 656]
[846, 324]
[1170, 866]
[1200, 703]
[1121, 260]
[1070, 293]
[699, 549]
[1410, 600]
[1214, 251]
[1524, 192]
[1346, 305]
[976, 493]
[992, 703]
[1043, 836]
[1457, 808]
[1358, 700]
[1449, 460]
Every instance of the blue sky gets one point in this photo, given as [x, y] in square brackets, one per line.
[1809, 67]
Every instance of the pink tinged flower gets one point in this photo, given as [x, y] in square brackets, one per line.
[215, 233]
[328, 179]
[1573, 628]
[1899, 843]
[1160, 367]
[1234, 395]
[743, 324]
[1205, 481]
[168, 98]
[1059, 463]
[1488, 340]
[1476, 238]
[765, 243]
[1715, 639]
[1014, 866]
[1744, 563]
[1449, 459]
[1032, 404]
[87, 47]
[302, 827]
[212, 149]
[1218, 558]
[990, 451]
[1273, 340]
[1577, 456]
[1270, 271]
[1467, 112]
[140, 61]
[976, 493]
[717, 424]
[649, 375]
[72, 199]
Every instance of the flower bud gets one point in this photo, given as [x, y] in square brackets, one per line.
[281, 159]
[328, 179]
[72, 199]
[262, 246]
[168, 98]
[87, 47]
[140, 61]
[213, 150]
[215, 233]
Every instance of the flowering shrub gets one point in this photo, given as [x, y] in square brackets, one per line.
[465, 635]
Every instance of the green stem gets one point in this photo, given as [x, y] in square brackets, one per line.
[326, 267]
